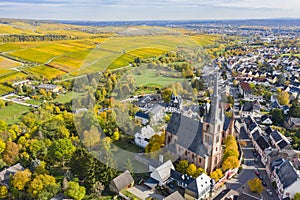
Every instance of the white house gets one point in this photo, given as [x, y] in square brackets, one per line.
[143, 137]
[156, 114]
[163, 172]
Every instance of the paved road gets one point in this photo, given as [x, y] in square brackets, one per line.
[240, 182]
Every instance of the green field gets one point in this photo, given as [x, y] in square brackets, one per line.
[149, 77]
[65, 98]
[142, 53]
[12, 114]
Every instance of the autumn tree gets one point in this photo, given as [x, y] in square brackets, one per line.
[182, 166]
[75, 191]
[21, 179]
[230, 163]
[216, 175]
[91, 138]
[297, 196]
[11, 152]
[198, 172]
[166, 94]
[3, 192]
[255, 185]
[191, 169]
[283, 98]
[43, 186]
[62, 150]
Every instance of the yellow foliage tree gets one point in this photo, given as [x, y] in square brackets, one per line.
[283, 97]
[230, 163]
[255, 185]
[3, 192]
[191, 169]
[216, 175]
[21, 178]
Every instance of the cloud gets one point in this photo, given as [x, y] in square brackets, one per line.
[144, 9]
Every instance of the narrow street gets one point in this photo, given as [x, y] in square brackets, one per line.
[239, 183]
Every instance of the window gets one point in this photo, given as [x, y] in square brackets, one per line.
[216, 160]
[216, 148]
[193, 156]
[219, 127]
[186, 153]
[217, 139]
[199, 160]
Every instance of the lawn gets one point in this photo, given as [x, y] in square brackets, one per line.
[142, 53]
[152, 78]
[65, 98]
[12, 114]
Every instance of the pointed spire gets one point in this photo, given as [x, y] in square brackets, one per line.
[214, 108]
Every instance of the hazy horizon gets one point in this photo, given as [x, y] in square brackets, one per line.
[129, 10]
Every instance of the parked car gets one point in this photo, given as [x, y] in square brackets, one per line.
[264, 183]
[270, 192]
[256, 172]
[260, 177]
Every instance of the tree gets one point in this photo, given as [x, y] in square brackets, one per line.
[10, 154]
[91, 138]
[115, 136]
[182, 166]
[283, 98]
[216, 175]
[255, 185]
[198, 172]
[277, 116]
[43, 186]
[230, 163]
[75, 191]
[295, 111]
[62, 150]
[166, 95]
[21, 179]
[297, 196]
[2, 146]
[191, 169]
[3, 192]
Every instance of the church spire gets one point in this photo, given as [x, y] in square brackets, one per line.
[215, 100]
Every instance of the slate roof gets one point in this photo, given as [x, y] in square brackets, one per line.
[276, 136]
[182, 179]
[189, 132]
[275, 104]
[287, 174]
[262, 143]
[268, 130]
[123, 180]
[256, 135]
[283, 144]
[248, 106]
[142, 115]
[253, 126]
[226, 123]
[174, 196]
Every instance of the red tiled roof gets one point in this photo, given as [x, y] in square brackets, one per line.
[245, 86]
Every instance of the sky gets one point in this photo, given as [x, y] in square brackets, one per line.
[125, 10]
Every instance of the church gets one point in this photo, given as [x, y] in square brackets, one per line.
[200, 141]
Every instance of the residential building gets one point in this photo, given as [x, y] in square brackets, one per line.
[142, 138]
[124, 180]
[142, 118]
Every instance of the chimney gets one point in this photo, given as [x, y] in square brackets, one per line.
[161, 159]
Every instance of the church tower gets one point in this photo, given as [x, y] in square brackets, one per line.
[212, 129]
